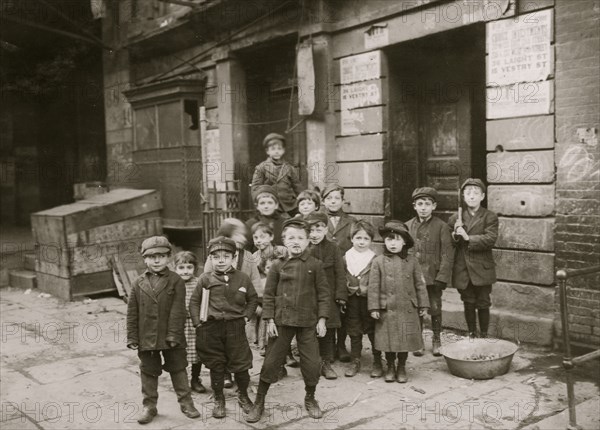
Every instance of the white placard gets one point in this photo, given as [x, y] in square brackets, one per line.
[361, 67]
[519, 50]
[360, 95]
[523, 99]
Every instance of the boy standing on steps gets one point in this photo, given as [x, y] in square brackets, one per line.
[435, 253]
[156, 327]
[474, 268]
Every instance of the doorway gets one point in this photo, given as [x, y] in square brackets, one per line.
[437, 116]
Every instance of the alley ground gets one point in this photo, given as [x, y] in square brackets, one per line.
[65, 366]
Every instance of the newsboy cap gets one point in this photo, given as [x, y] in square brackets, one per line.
[296, 222]
[330, 188]
[425, 192]
[473, 181]
[156, 245]
[316, 217]
[273, 136]
[221, 243]
[400, 228]
[264, 189]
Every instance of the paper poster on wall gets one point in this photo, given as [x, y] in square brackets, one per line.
[520, 50]
[360, 94]
[361, 67]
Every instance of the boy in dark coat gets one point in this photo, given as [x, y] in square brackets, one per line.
[156, 326]
[221, 339]
[474, 268]
[295, 303]
[278, 173]
[333, 265]
[338, 231]
[435, 252]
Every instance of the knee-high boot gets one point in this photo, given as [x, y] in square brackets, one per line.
[484, 321]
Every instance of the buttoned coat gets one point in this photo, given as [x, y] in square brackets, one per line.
[340, 234]
[433, 248]
[397, 289]
[335, 272]
[284, 178]
[296, 292]
[358, 284]
[156, 316]
[474, 260]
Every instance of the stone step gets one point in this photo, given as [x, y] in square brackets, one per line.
[22, 279]
[29, 262]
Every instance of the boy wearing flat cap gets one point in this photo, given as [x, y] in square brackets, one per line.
[156, 326]
[333, 265]
[221, 340]
[338, 231]
[278, 173]
[435, 252]
[267, 202]
[397, 297]
[296, 302]
[474, 269]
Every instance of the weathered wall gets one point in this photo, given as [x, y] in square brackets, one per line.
[577, 230]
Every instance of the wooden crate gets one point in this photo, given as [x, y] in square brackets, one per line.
[75, 242]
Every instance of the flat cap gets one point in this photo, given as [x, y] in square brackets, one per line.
[316, 217]
[331, 187]
[264, 189]
[296, 222]
[474, 181]
[400, 228]
[273, 136]
[156, 245]
[221, 243]
[425, 192]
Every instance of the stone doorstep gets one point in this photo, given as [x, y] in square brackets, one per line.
[22, 279]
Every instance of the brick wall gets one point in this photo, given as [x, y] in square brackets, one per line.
[577, 109]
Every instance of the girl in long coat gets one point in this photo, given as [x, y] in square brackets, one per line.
[397, 296]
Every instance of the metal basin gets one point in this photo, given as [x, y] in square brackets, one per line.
[464, 358]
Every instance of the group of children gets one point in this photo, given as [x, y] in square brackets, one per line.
[300, 274]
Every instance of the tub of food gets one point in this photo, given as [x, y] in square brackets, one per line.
[479, 358]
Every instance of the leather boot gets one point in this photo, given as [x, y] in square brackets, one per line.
[436, 325]
[256, 410]
[390, 374]
[401, 374]
[150, 393]
[242, 380]
[195, 380]
[420, 352]
[311, 404]
[327, 371]
[184, 394]
[219, 409]
[471, 319]
[354, 368]
[342, 352]
[484, 321]
[228, 380]
[377, 370]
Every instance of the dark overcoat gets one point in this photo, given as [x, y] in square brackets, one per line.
[155, 316]
[333, 265]
[284, 178]
[340, 234]
[397, 289]
[474, 260]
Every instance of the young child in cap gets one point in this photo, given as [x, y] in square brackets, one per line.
[278, 173]
[266, 203]
[435, 252]
[333, 265]
[243, 261]
[156, 327]
[397, 297]
[296, 302]
[186, 265]
[221, 339]
[308, 202]
[474, 268]
[358, 321]
[338, 231]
